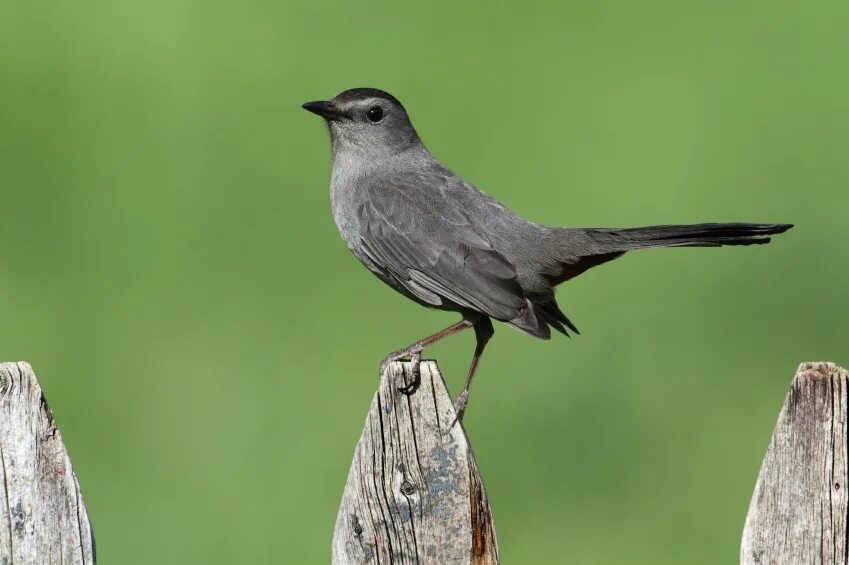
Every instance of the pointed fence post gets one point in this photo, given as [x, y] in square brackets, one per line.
[42, 515]
[798, 512]
[414, 492]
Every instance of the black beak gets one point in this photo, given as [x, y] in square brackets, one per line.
[323, 108]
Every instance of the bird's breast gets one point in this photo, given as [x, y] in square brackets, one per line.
[344, 214]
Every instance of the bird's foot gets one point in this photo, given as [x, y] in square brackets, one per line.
[414, 354]
[460, 406]
[400, 355]
[415, 369]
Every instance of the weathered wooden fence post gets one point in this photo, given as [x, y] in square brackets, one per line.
[42, 516]
[798, 512]
[414, 493]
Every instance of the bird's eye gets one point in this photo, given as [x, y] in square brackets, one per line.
[375, 114]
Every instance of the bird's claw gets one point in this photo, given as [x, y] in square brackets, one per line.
[415, 369]
[415, 357]
[409, 389]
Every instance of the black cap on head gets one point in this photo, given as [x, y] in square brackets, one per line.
[355, 94]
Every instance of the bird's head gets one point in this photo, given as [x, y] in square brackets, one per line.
[367, 121]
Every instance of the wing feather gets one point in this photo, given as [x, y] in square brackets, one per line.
[431, 248]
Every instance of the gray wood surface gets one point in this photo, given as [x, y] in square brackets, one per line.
[414, 493]
[798, 512]
[42, 516]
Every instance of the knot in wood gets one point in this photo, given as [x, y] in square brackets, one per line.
[355, 525]
[407, 488]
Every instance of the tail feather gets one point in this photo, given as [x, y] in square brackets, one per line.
[576, 250]
[552, 314]
[696, 235]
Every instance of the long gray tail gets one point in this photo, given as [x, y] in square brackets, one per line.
[695, 235]
[576, 250]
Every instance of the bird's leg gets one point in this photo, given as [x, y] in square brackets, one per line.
[483, 331]
[414, 352]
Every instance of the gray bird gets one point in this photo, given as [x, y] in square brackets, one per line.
[445, 244]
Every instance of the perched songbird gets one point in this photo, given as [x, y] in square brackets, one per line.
[444, 243]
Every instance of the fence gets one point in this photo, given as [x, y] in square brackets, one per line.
[414, 492]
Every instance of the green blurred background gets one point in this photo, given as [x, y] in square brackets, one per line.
[169, 264]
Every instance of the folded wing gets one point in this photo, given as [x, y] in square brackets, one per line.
[432, 249]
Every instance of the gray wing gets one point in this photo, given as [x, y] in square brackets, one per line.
[428, 245]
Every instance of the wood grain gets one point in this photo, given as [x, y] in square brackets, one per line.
[43, 519]
[414, 493]
[798, 512]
